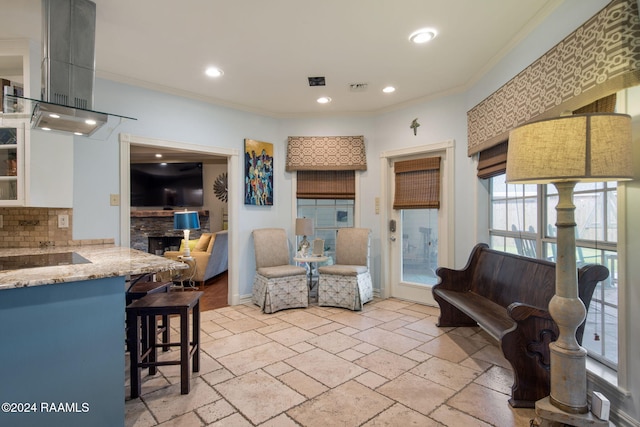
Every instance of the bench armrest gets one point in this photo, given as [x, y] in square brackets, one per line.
[520, 311]
[453, 280]
[460, 280]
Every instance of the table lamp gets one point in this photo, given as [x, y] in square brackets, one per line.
[304, 228]
[564, 151]
[186, 220]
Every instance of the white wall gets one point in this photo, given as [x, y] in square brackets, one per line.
[166, 117]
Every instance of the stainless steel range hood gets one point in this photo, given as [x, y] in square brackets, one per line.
[68, 71]
[61, 118]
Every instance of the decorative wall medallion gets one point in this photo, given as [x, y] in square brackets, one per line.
[414, 126]
[220, 187]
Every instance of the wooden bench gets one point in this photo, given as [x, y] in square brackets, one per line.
[508, 296]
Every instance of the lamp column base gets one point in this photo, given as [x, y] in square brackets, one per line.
[548, 415]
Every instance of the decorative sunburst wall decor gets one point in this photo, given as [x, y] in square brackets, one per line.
[220, 187]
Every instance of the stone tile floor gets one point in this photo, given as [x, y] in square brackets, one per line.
[388, 365]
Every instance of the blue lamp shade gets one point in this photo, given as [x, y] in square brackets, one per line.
[186, 220]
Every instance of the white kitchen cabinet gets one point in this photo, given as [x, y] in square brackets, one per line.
[36, 169]
[12, 165]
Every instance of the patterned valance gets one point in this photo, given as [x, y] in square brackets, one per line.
[326, 153]
[599, 58]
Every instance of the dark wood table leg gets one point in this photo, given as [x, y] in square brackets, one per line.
[165, 333]
[134, 354]
[184, 350]
[196, 337]
[153, 343]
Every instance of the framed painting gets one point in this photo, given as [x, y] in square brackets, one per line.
[258, 173]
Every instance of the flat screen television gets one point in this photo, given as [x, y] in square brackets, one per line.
[166, 185]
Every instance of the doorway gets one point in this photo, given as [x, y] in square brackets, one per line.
[417, 240]
[231, 156]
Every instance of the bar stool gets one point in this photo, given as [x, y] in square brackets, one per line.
[138, 290]
[141, 289]
[142, 324]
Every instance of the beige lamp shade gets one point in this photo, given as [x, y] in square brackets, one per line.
[582, 147]
[304, 227]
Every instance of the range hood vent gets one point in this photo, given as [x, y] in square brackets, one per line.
[68, 71]
[61, 118]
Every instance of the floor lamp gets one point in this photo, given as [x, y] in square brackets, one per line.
[186, 221]
[564, 151]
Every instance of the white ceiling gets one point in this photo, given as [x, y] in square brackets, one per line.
[268, 48]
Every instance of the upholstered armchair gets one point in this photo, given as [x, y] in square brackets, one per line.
[347, 283]
[210, 252]
[277, 284]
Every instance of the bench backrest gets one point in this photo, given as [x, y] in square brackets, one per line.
[505, 278]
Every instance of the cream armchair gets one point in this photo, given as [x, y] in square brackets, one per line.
[277, 284]
[347, 283]
[210, 252]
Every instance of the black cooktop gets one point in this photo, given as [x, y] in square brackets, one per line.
[17, 262]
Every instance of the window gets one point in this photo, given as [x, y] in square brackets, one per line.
[514, 217]
[328, 197]
[522, 220]
[328, 216]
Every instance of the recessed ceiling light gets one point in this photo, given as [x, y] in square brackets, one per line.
[54, 116]
[389, 89]
[422, 36]
[214, 72]
[90, 122]
[78, 133]
[45, 128]
[163, 164]
[158, 155]
[324, 100]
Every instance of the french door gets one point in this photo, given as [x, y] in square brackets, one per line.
[417, 240]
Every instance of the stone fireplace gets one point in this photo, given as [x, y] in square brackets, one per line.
[152, 230]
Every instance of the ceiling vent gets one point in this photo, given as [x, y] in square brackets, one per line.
[358, 87]
[316, 81]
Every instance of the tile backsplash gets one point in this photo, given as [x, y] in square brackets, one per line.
[37, 228]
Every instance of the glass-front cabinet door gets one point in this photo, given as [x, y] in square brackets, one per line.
[11, 165]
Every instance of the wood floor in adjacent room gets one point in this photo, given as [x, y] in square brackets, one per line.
[215, 292]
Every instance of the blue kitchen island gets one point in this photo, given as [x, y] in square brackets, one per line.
[62, 351]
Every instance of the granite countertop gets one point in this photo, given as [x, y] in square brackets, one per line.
[105, 261]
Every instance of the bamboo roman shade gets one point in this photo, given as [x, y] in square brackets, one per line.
[326, 185]
[604, 105]
[322, 153]
[417, 184]
[493, 161]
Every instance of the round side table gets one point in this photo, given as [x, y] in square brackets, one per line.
[186, 274]
[311, 261]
